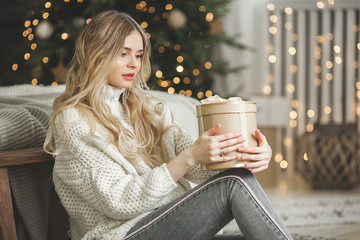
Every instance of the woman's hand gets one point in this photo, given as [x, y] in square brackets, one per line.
[258, 157]
[209, 148]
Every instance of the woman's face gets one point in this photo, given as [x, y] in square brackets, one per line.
[128, 64]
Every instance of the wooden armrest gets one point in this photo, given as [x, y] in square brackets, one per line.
[23, 156]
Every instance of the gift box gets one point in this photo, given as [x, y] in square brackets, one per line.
[234, 116]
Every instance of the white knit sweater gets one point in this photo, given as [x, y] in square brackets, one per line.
[103, 193]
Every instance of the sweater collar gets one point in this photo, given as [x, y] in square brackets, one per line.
[112, 95]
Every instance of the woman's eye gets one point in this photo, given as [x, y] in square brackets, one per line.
[123, 54]
[139, 56]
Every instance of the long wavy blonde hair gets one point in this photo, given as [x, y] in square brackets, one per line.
[96, 50]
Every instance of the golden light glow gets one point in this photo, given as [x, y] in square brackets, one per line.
[288, 26]
[31, 37]
[310, 113]
[338, 60]
[290, 88]
[272, 30]
[284, 164]
[45, 60]
[48, 5]
[209, 17]
[176, 80]
[267, 89]
[288, 10]
[309, 127]
[14, 67]
[356, 28]
[161, 49]
[270, 78]
[337, 49]
[34, 81]
[327, 110]
[208, 93]
[177, 47]
[331, 2]
[45, 15]
[293, 68]
[180, 59]
[151, 10]
[278, 157]
[186, 80]
[320, 5]
[79, 1]
[292, 51]
[272, 58]
[144, 24]
[164, 84]
[358, 94]
[200, 95]
[35, 22]
[208, 65]
[330, 36]
[165, 15]
[168, 6]
[26, 56]
[358, 110]
[273, 18]
[64, 36]
[287, 141]
[182, 92]
[33, 46]
[358, 85]
[293, 114]
[294, 37]
[188, 93]
[358, 46]
[27, 23]
[148, 35]
[270, 7]
[305, 157]
[295, 103]
[196, 72]
[317, 81]
[320, 39]
[25, 33]
[292, 123]
[329, 76]
[356, 64]
[202, 8]
[53, 84]
[329, 64]
[317, 69]
[171, 90]
[179, 68]
[88, 20]
[158, 73]
[142, 4]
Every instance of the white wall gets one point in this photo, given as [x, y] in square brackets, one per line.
[249, 19]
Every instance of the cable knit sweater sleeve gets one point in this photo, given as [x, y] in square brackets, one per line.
[98, 175]
[180, 140]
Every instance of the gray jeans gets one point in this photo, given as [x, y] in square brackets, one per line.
[206, 209]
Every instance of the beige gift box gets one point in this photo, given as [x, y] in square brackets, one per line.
[233, 117]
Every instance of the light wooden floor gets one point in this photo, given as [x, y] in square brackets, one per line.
[286, 185]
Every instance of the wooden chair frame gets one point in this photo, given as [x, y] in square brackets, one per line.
[12, 158]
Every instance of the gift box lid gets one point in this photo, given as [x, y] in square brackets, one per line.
[225, 108]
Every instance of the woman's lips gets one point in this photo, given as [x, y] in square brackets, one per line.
[129, 77]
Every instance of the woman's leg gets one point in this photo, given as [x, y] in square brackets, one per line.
[206, 209]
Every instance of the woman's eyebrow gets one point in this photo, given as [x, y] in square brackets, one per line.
[129, 49]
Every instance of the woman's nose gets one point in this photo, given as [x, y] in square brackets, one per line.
[133, 63]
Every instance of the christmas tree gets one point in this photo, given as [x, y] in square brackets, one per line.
[182, 33]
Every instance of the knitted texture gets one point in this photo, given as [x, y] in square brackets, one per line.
[103, 193]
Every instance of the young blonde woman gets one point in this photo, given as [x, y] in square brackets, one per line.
[123, 167]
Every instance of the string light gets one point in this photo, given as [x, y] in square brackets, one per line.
[273, 18]
[196, 72]
[168, 7]
[151, 10]
[270, 7]
[177, 47]
[35, 22]
[48, 5]
[45, 15]
[284, 164]
[310, 113]
[272, 30]
[27, 23]
[144, 24]
[305, 157]
[208, 65]
[171, 90]
[267, 89]
[320, 5]
[209, 17]
[14, 67]
[200, 95]
[34, 81]
[288, 10]
[64, 36]
[176, 80]
[27, 56]
[186, 80]
[292, 51]
[208, 93]
[158, 73]
[309, 127]
[179, 59]
[188, 93]
[45, 60]
[179, 68]
[295, 103]
[202, 8]
[272, 58]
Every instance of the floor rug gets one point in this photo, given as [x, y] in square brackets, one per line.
[318, 209]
